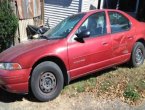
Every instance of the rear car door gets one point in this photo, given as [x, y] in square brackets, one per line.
[120, 35]
[91, 53]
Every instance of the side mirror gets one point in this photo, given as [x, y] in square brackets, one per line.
[83, 34]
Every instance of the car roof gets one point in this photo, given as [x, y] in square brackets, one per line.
[105, 10]
[99, 10]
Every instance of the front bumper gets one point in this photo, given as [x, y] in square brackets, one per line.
[15, 81]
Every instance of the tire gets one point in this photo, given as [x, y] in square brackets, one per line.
[138, 55]
[46, 81]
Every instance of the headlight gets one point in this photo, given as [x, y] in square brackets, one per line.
[10, 66]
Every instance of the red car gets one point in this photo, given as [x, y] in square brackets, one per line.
[81, 44]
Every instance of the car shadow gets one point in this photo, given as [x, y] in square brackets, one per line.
[6, 97]
[92, 75]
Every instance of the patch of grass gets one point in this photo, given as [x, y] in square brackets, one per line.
[109, 76]
[91, 82]
[127, 84]
[80, 87]
[105, 85]
[131, 93]
[140, 85]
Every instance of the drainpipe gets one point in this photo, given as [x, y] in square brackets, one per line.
[102, 4]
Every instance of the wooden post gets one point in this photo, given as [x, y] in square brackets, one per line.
[17, 35]
[42, 10]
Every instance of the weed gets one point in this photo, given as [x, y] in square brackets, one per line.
[131, 93]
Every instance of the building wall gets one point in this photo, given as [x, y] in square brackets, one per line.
[56, 10]
[25, 18]
[89, 4]
[22, 28]
[85, 5]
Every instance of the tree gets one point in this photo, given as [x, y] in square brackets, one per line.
[8, 25]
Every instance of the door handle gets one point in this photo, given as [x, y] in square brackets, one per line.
[130, 37]
[104, 43]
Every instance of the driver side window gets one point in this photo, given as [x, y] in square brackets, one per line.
[95, 23]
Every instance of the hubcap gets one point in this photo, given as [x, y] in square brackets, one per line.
[47, 82]
[138, 56]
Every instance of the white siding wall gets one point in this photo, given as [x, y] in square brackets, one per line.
[55, 10]
[85, 5]
[22, 28]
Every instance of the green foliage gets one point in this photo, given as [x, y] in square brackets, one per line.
[80, 87]
[8, 25]
[131, 93]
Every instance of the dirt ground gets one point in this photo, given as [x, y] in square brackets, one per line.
[83, 101]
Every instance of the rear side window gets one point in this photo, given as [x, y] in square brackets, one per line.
[118, 22]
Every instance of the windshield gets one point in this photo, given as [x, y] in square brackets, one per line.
[64, 27]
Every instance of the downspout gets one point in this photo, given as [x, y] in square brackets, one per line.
[102, 4]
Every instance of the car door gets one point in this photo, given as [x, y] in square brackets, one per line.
[120, 35]
[93, 52]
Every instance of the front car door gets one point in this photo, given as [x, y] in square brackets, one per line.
[94, 52]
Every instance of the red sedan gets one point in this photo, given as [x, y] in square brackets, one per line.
[81, 44]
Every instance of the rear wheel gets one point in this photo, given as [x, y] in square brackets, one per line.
[138, 54]
[46, 81]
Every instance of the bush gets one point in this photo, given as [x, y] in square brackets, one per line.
[8, 25]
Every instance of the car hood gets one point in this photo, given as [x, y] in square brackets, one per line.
[25, 47]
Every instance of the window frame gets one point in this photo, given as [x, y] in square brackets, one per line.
[105, 21]
[130, 23]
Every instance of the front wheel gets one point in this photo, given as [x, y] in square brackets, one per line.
[137, 56]
[46, 81]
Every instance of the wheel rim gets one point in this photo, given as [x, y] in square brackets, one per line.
[47, 82]
[138, 56]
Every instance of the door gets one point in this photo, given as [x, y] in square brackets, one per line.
[90, 53]
[120, 35]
